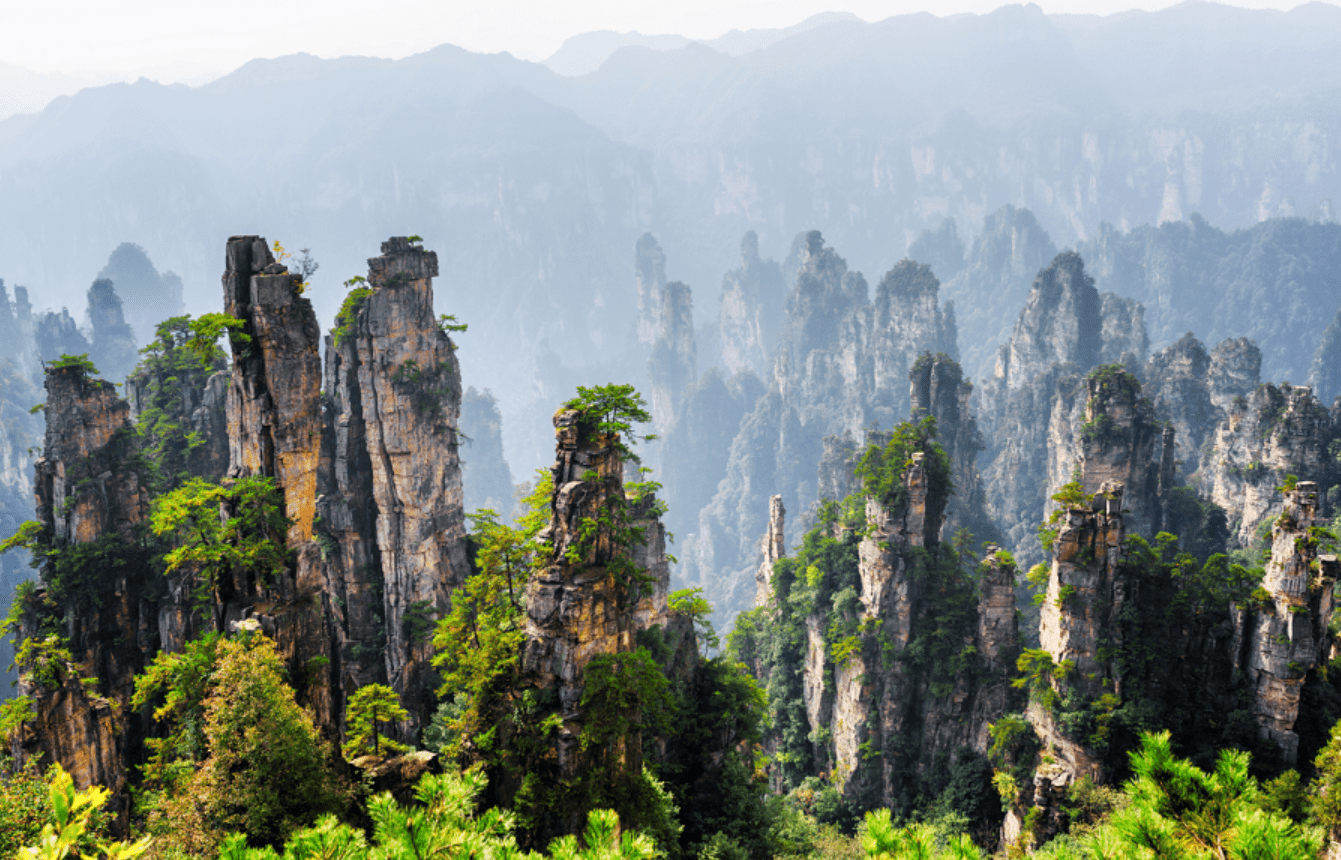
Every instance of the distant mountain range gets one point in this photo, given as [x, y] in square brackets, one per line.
[533, 186]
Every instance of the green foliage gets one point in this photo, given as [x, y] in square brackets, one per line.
[447, 324]
[1172, 808]
[171, 378]
[883, 470]
[443, 824]
[690, 602]
[610, 411]
[13, 714]
[624, 694]
[178, 682]
[70, 825]
[1070, 495]
[24, 793]
[1037, 675]
[882, 840]
[80, 364]
[267, 770]
[371, 705]
[205, 332]
[478, 644]
[236, 527]
[347, 316]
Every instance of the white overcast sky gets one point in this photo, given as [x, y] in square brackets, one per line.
[168, 38]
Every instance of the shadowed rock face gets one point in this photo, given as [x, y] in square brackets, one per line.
[872, 699]
[114, 350]
[750, 314]
[1057, 337]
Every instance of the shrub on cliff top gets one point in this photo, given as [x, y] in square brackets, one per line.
[80, 364]
[611, 410]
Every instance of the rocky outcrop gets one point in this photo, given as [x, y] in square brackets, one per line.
[1057, 337]
[672, 367]
[750, 312]
[588, 600]
[1273, 432]
[57, 334]
[113, 350]
[1285, 638]
[274, 412]
[1325, 374]
[1121, 444]
[486, 480]
[1124, 340]
[392, 523]
[937, 388]
[1176, 379]
[774, 547]
[888, 710]
[649, 264]
[842, 367]
[91, 502]
[370, 481]
[996, 277]
[149, 297]
[1235, 371]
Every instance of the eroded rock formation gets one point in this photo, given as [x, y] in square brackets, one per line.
[1272, 432]
[1286, 637]
[750, 312]
[842, 367]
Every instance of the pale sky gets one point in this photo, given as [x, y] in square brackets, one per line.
[167, 39]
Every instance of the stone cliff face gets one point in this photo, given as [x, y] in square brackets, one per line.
[370, 480]
[1176, 381]
[987, 293]
[91, 499]
[586, 602]
[1325, 374]
[1059, 334]
[1285, 639]
[650, 267]
[673, 365]
[881, 716]
[391, 498]
[57, 334]
[113, 350]
[750, 314]
[1270, 433]
[842, 367]
[937, 388]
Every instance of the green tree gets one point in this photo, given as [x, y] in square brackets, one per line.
[443, 825]
[371, 705]
[478, 644]
[611, 411]
[179, 682]
[1173, 809]
[237, 526]
[267, 772]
